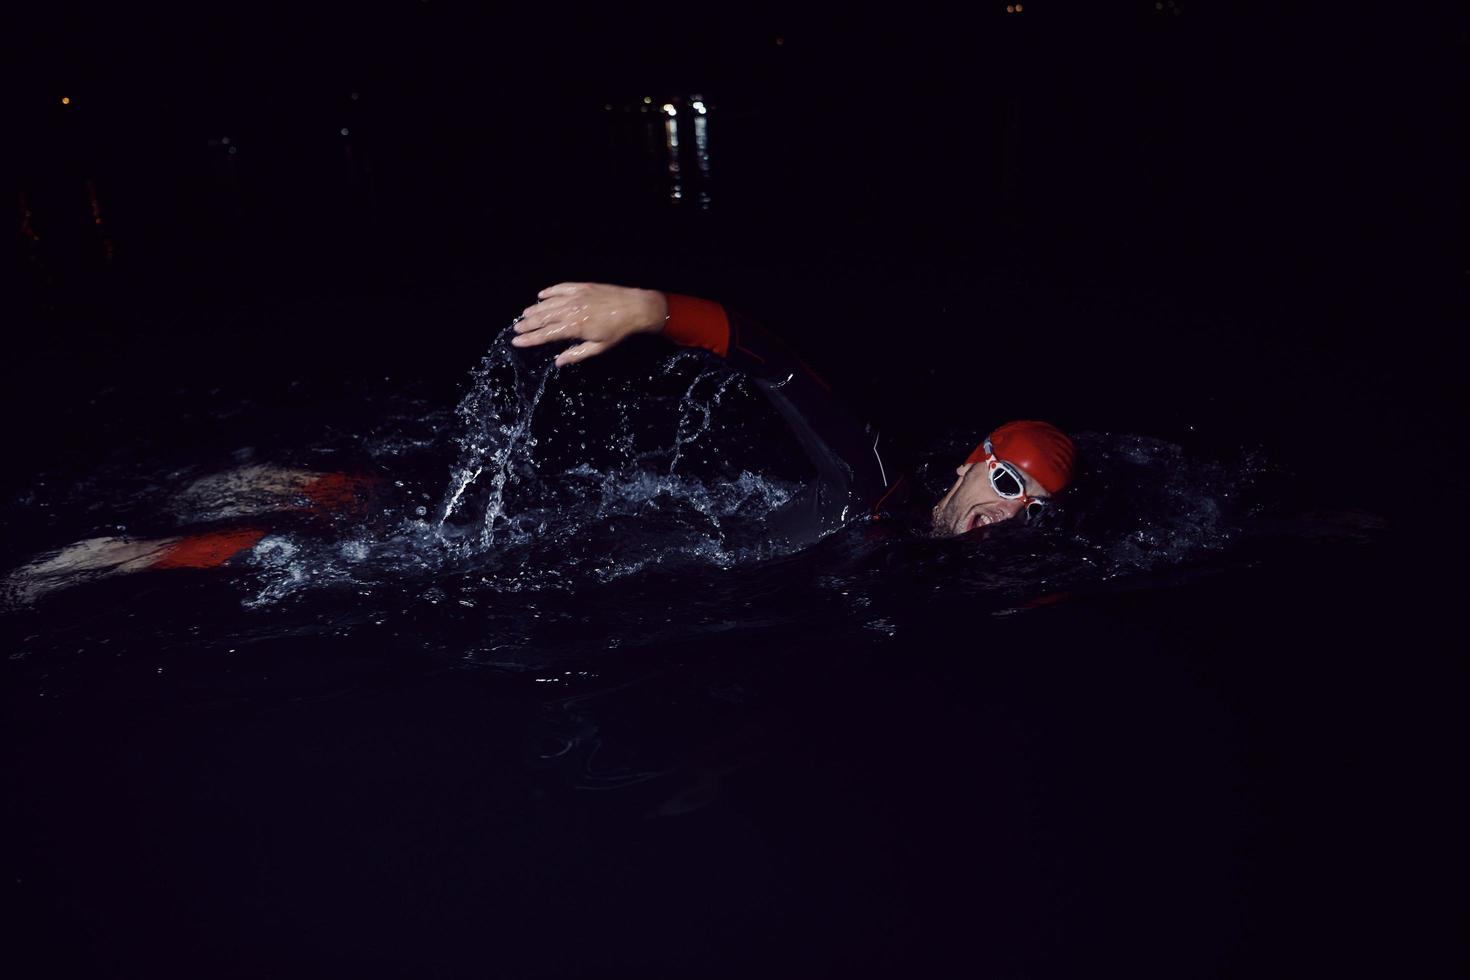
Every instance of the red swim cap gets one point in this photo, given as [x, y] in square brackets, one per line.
[1042, 450]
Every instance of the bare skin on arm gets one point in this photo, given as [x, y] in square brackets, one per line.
[243, 492]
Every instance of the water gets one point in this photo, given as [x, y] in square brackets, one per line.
[550, 705]
[554, 679]
[633, 504]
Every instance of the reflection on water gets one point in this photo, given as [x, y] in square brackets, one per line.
[701, 156]
[666, 156]
[671, 143]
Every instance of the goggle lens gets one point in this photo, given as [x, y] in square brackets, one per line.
[1005, 481]
[1009, 483]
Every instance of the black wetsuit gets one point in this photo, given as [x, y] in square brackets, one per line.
[856, 478]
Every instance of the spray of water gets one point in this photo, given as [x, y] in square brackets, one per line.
[496, 417]
[688, 430]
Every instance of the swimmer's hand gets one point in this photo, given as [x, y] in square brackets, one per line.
[599, 315]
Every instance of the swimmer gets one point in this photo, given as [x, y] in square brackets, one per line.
[1016, 470]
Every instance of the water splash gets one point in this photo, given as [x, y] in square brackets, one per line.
[496, 415]
[690, 407]
[640, 508]
[1146, 504]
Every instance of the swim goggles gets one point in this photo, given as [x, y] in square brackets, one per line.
[1007, 480]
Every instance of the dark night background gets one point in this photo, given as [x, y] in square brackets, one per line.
[1286, 173]
[1223, 225]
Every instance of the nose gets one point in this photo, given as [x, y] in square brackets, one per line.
[1011, 507]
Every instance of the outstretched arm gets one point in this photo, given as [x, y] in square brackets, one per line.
[96, 558]
[603, 316]
[247, 492]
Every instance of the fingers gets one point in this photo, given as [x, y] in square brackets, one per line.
[544, 322]
[547, 331]
[568, 311]
[544, 335]
[541, 314]
[581, 352]
[560, 289]
[531, 332]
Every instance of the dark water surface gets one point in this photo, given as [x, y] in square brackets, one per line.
[553, 705]
[614, 733]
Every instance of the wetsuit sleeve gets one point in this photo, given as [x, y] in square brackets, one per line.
[847, 453]
[694, 322]
[209, 550]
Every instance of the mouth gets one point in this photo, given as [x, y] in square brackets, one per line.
[978, 519]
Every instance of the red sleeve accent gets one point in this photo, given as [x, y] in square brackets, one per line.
[332, 492]
[697, 323]
[208, 550]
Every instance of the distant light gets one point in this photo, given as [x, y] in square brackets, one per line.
[648, 100]
[234, 150]
[669, 108]
[699, 107]
[354, 96]
[780, 41]
[65, 100]
[607, 106]
[343, 130]
[1019, 8]
[225, 140]
[1010, 9]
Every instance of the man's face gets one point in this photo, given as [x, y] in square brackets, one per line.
[972, 502]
